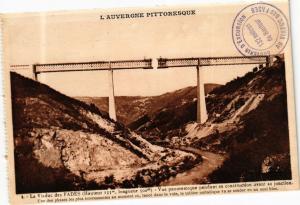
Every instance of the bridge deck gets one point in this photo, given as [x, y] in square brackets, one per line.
[212, 61]
[94, 66]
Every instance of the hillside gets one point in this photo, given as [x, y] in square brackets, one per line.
[175, 110]
[247, 127]
[131, 108]
[248, 122]
[64, 144]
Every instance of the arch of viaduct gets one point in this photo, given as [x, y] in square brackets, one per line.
[163, 63]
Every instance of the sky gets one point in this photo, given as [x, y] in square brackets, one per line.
[83, 37]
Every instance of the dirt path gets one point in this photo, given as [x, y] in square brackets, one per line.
[197, 175]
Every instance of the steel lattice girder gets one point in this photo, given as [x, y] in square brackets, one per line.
[94, 66]
[213, 61]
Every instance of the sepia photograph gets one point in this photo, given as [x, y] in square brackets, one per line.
[204, 133]
[167, 97]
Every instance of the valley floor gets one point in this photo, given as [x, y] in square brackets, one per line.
[198, 174]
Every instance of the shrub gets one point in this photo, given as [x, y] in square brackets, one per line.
[109, 179]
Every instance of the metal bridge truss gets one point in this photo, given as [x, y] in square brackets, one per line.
[214, 61]
[147, 64]
[94, 66]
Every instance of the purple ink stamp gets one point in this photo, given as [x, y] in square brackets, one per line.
[260, 29]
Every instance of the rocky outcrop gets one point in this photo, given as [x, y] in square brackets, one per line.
[247, 121]
[63, 144]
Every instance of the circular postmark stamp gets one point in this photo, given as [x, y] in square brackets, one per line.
[260, 29]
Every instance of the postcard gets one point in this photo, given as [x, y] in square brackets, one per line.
[149, 102]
